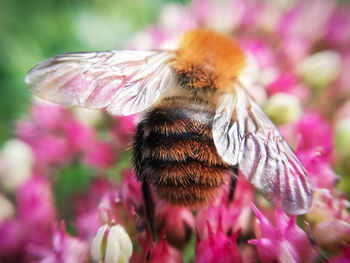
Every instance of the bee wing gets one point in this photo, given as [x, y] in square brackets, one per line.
[244, 135]
[123, 82]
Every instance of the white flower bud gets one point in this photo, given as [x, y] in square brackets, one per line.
[320, 69]
[16, 164]
[7, 208]
[88, 117]
[111, 245]
[342, 141]
[283, 108]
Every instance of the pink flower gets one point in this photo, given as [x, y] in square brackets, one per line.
[87, 224]
[289, 83]
[337, 30]
[162, 252]
[226, 215]
[218, 246]
[35, 202]
[13, 240]
[49, 116]
[262, 52]
[65, 248]
[219, 16]
[320, 172]
[313, 138]
[79, 136]
[293, 50]
[100, 155]
[130, 191]
[59, 139]
[231, 216]
[343, 256]
[307, 20]
[32, 226]
[315, 149]
[284, 243]
[124, 130]
[201, 10]
[118, 206]
[44, 134]
[316, 134]
[85, 207]
[48, 148]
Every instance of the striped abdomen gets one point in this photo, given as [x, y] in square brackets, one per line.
[174, 151]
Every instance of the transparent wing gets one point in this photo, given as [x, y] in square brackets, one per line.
[261, 153]
[227, 134]
[123, 82]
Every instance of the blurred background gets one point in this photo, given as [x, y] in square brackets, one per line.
[32, 31]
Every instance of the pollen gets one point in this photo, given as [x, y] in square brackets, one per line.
[206, 59]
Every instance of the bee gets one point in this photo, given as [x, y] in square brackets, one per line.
[199, 119]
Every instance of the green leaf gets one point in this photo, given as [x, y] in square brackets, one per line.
[71, 180]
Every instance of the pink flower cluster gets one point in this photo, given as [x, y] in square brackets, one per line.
[303, 52]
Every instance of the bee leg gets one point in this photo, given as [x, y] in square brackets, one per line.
[138, 149]
[233, 181]
[147, 197]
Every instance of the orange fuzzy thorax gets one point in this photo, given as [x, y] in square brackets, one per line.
[206, 59]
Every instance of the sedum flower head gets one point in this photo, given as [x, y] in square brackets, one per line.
[284, 243]
[162, 252]
[218, 245]
[65, 248]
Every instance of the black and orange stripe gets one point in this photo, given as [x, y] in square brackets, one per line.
[175, 153]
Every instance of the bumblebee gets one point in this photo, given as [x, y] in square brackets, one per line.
[198, 122]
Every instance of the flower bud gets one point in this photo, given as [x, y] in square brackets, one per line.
[325, 207]
[342, 139]
[88, 117]
[178, 224]
[329, 219]
[111, 245]
[16, 162]
[320, 69]
[331, 234]
[342, 147]
[283, 108]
